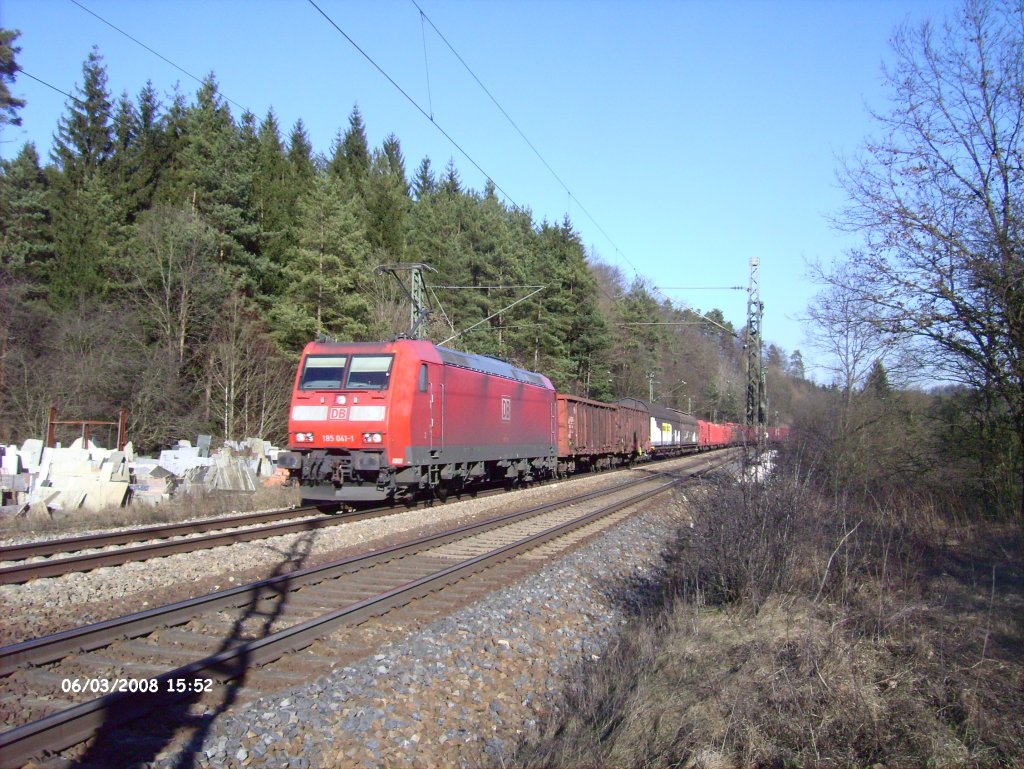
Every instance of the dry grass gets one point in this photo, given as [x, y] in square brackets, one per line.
[792, 630]
[179, 508]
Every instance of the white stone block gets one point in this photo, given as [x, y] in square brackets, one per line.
[32, 454]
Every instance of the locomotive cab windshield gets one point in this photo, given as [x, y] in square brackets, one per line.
[343, 372]
[323, 372]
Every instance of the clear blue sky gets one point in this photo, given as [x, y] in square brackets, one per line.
[696, 134]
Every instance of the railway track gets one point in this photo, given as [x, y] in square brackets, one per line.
[176, 538]
[178, 652]
[85, 553]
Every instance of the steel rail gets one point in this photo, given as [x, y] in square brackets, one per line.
[68, 727]
[38, 651]
[162, 531]
[56, 567]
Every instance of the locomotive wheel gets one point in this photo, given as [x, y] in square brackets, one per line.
[441, 491]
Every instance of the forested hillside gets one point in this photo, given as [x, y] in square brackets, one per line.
[173, 258]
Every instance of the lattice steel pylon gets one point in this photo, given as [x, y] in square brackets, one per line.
[417, 293]
[752, 343]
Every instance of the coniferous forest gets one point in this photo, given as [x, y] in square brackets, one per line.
[172, 258]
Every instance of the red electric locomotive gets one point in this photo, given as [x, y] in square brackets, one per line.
[373, 421]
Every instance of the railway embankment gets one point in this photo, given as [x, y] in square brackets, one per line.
[795, 628]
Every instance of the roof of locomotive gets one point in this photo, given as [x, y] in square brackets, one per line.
[483, 364]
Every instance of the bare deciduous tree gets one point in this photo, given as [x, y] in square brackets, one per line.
[248, 380]
[175, 280]
[938, 198]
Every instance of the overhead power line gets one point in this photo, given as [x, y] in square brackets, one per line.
[480, 287]
[156, 53]
[48, 85]
[416, 104]
[530, 144]
[547, 165]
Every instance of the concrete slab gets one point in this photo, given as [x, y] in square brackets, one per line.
[12, 511]
[10, 460]
[45, 463]
[181, 459]
[73, 462]
[102, 494]
[32, 454]
[106, 470]
[73, 492]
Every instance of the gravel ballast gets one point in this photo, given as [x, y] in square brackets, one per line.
[50, 605]
[462, 690]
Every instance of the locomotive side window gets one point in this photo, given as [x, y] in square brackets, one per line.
[369, 372]
[424, 380]
[323, 372]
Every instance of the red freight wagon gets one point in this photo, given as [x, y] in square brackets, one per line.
[712, 435]
[371, 421]
[586, 432]
[632, 430]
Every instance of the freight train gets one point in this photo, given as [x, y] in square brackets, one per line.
[397, 420]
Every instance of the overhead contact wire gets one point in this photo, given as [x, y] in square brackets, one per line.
[524, 138]
[426, 63]
[156, 53]
[416, 104]
[48, 85]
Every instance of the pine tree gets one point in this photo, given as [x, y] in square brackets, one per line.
[387, 202]
[423, 185]
[87, 217]
[324, 270]
[9, 105]
[877, 382]
[25, 234]
[87, 233]
[140, 156]
[796, 365]
[451, 185]
[272, 196]
[85, 138]
[300, 158]
[356, 149]
[350, 158]
[217, 161]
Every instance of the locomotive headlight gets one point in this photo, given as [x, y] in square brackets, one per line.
[377, 438]
[372, 437]
[340, 400]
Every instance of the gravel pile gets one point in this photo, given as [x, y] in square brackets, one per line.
[463, 690]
